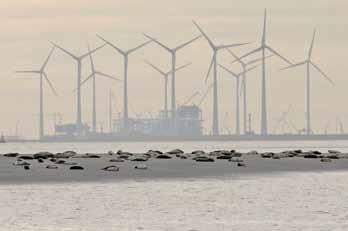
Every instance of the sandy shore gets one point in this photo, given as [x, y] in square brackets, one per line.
[157, 168]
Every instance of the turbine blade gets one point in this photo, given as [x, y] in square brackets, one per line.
[112, 45]
[47, 59]
[210, 67]
[312, 44]
[204, 34]
[50, 84]
[236, 58]
[229, 71]
[156, 68]
[157, 42]
[91, 59]
[276, 53]
[264, 27]
[187, 43]
[88, 78]
[25, 72]
[178, 69]
[84, 81]
[183, 66]
[251, 52]
[257, 60]
[232, 45]
[294, 65]
[205, 94]
[138, 47]
[107, 76]
[249, 69]
[92, 51]
[190, 98]
[322, 72]
[65, 51]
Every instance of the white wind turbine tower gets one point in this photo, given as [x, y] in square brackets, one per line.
[93, 76]
[111, 129]
[213, 64]
[237, 76]
[43, 76]
[78, 60]
[125, 54]
[263, 48]
[173, 52]
[166, 75]
[308, 62]
[244, 65]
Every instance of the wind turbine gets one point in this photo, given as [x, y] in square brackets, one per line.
[125, 54]
[93, 77]
[173, 52]
[111, 127]
[42, 75]
[308, 62]
[237, 76]
[165, 75]
[190, 98]
[244, 65]
[213, 64]
[284, 120]
[78, 60]
[205, 94]
[263, 48]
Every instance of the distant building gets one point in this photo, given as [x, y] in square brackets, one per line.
[70, 129]
[188, 123]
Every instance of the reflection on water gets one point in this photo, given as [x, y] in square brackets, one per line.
[293, 201]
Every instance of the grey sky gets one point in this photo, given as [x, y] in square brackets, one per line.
[28, 27]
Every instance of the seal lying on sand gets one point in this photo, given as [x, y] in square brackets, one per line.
[203, 159]
[116, 160]
[76, 167]
[141, 166]
[111, 168]
[52, 167]
[20, 162]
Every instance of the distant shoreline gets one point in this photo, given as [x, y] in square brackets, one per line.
[207, 138]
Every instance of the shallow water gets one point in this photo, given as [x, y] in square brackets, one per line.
[273, 201]
[294, 201]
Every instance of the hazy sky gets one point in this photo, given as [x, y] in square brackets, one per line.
[27, 27]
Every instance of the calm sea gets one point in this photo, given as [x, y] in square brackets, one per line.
[286, 201]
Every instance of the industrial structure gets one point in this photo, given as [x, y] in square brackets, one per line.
[188, 123]
[186, 120]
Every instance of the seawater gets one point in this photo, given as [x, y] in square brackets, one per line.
[294, 201]
[277, 201]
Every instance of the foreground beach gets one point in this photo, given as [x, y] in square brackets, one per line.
[175, 167]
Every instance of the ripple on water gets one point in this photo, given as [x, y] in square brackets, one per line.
[294, 201]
